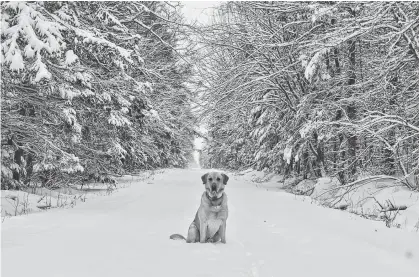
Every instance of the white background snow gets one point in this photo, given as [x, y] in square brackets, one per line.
[269, 233]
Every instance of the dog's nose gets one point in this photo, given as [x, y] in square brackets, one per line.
[213, 187]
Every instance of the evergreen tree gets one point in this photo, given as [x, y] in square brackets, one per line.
[89, 91]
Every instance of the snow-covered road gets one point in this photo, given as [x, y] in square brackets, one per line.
[268, 234]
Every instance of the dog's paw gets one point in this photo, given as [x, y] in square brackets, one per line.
[210, 240]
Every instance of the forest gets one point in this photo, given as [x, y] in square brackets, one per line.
[94, 90]
[200, 138]
[314, 89]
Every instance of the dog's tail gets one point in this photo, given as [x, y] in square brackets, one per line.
[177, 237]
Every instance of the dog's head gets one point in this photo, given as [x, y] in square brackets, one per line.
[214, 184]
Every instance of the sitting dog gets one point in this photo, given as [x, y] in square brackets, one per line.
[209, 224]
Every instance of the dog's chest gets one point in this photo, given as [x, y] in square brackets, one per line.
[213, 226]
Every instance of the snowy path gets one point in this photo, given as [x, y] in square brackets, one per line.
[268, 234]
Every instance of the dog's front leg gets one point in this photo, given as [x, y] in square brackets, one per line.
[222, 231]
[202, 231]
[193, 233]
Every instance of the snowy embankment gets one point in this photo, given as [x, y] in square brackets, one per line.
[380, 199]
[36, 199]
[268, 234]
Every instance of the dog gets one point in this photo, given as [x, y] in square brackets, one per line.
[210, 220]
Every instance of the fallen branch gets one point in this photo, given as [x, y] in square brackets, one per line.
[40, 199]
[341, 207]
[44, 207]
[394, 208]
[13, 197]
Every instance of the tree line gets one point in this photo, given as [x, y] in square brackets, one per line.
[313, 89]
[90, 90]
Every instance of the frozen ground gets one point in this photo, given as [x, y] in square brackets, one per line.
[268, 234]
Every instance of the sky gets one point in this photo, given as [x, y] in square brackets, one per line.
[198, 10]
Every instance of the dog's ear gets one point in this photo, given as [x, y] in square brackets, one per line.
[225, 178]
[204, 178]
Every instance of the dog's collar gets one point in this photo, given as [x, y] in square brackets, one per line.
[221, 198]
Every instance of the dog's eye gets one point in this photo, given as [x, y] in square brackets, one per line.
[218, 179]
[210, 179]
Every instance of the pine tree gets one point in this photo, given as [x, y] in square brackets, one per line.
[81, 91]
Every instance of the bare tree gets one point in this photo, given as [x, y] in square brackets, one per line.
[313, 88]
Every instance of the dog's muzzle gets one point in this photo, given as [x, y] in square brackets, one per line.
[212, 195]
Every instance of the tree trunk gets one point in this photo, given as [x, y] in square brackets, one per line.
[351, 111]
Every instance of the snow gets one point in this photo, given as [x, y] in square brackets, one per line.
[62, 13]
[123, 101]
[364, 200]
[70, 115]
[151, 113]
[315, 66]
[116, 118]
[67, 163]
[85, 79]
[287, 154]
[127, 234]
[124, 110]
[67, 92]
[37, 199]
[304, 60]
[155, 114]
[87, 92]
[106, 96]
[12, 53]
[30, 24]
[15, 59]
[4, 24]
[255, 110]
[117, 149]
[110, 18]
[41, 68]
[321, 12]
[29, 51]
[70, 57]
[361, 199]
[15, 203]
[89, 37]
[306, 129]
